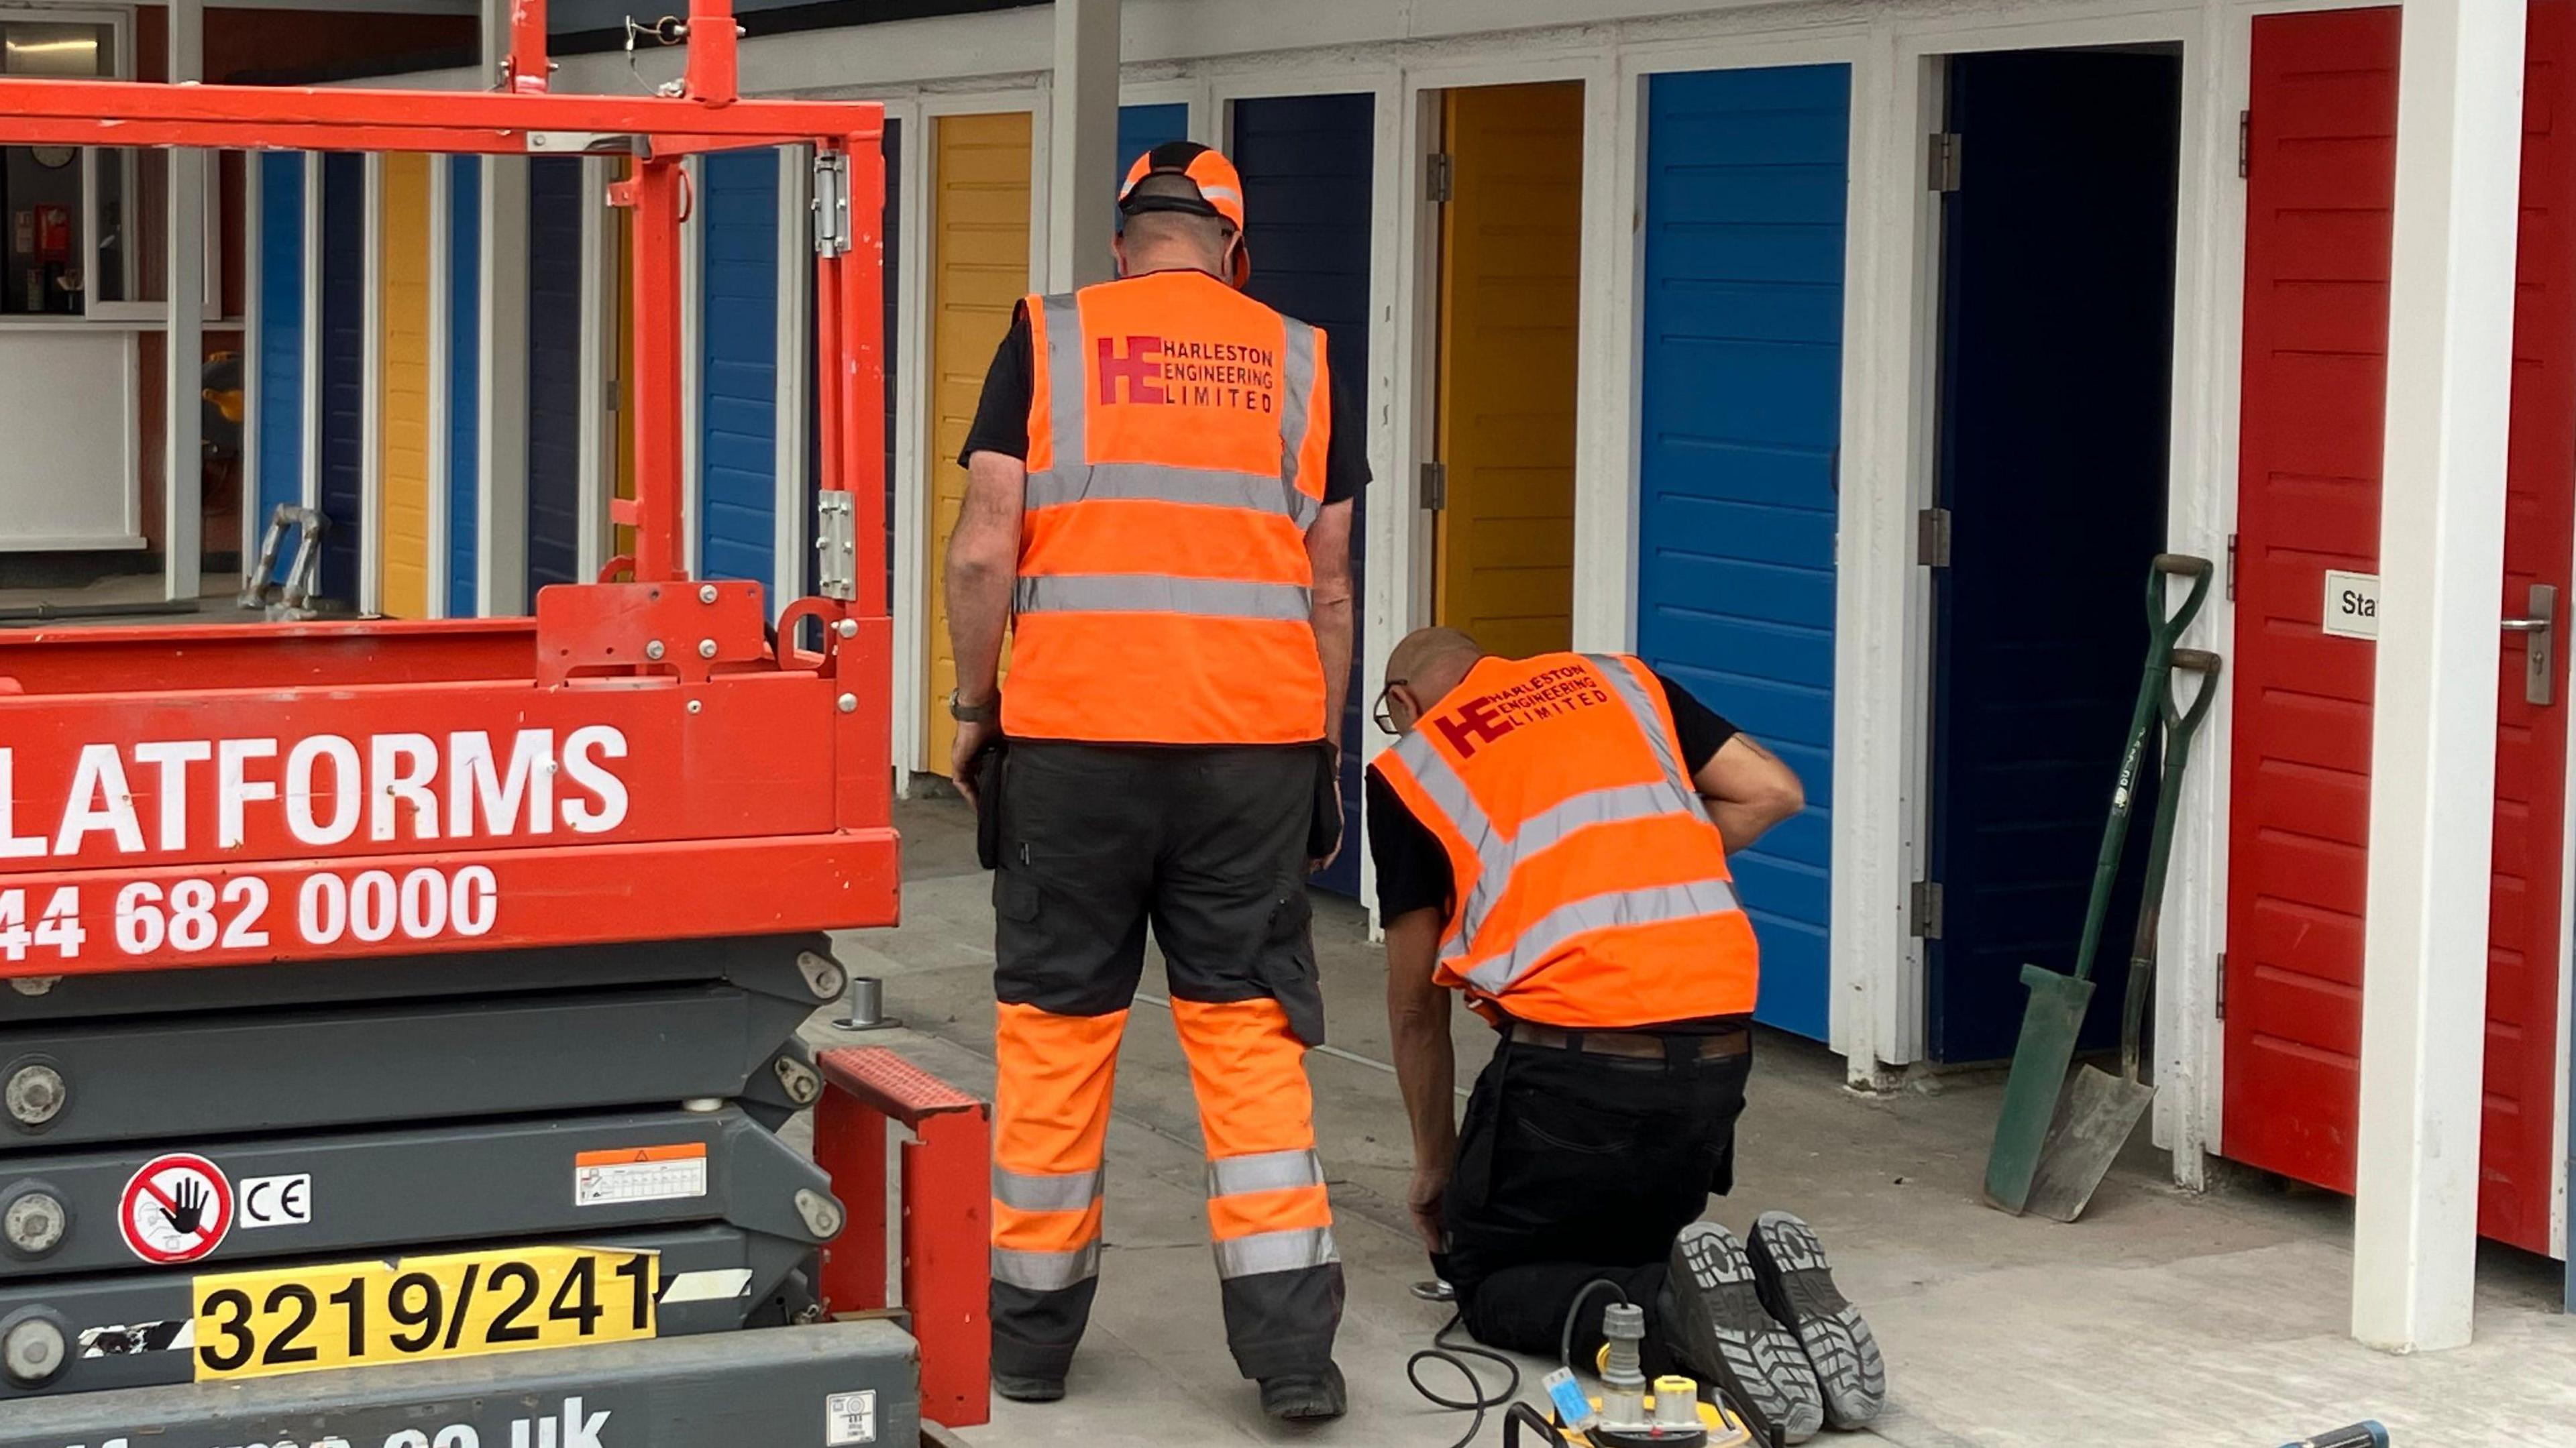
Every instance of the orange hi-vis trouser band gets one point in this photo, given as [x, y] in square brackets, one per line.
[1051, 1119]
[1267, 1207]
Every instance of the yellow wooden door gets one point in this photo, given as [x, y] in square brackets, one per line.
[403, 381]
[979, 267]
[1510, 255]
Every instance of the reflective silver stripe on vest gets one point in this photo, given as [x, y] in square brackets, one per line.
[1642, 709]
[1296, 401]
[1654, 906]
[1496, 856]
[1036, 1192]
[1267, 1171]
[1293, 1250]
[1155, 482]
[1046, 1271]
[1065, 378]
[1162, 593]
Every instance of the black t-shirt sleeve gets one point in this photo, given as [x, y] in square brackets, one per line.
[1412, 869]
[1002, 414]
[1346, 468]
[1703, 730]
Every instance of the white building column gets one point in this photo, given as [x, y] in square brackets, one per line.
[2432, 796]
[183, 359]
[501, 365]
[1082, 144]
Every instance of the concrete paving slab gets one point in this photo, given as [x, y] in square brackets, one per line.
[2162, 1318]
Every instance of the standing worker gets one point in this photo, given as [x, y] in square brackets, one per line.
[1158, 503]
[1551, 837]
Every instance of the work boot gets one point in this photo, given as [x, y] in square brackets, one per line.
[1021, 1388]
[1306, 1397]
[1713, 1322]
[1797, 1287]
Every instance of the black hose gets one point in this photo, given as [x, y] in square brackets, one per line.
[1565, 1341]
[1455, 1354]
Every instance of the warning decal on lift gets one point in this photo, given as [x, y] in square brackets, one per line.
[176, 1209]
[639, 1174]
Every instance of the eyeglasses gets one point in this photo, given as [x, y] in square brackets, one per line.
[1384, 715]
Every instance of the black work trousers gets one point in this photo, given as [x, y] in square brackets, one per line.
[1207, 846]
[1574, 1166]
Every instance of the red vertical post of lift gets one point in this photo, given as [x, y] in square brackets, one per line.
[530, 71]
[947, 1257]
[850, 314]
[711, 71]
[850, 1147]
[653, 198]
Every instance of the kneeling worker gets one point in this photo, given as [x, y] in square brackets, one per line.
[1551, 837]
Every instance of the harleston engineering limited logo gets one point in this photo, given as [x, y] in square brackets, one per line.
[1488, 717]
[1167, 372]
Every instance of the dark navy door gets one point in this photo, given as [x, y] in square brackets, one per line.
[554, 372]
[344, 353]
[1307, 164]
[464, 358]
[738, 373]
[281, 341]
[1746, 178]
[2056, 352]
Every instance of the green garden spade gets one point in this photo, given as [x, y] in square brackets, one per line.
[2100, 1110]
[2057, 1002]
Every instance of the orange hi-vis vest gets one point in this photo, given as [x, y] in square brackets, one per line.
[1592, 891]
[1177, 434]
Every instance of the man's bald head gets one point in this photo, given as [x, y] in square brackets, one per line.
[1430, 662]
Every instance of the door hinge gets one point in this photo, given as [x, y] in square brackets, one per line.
[2231, 566]
[1923, 917]
[1435, 486]
[1932, 538]
[2222, 985]
[836, 545]
[1941, 169]
[2244, 144]
[831, 203]
[1440, 178]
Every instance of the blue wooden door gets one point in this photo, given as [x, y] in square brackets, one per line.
[1141, 129]
[1746, 179]
[1307, 164]
[738, 372]
[344, 362]
[554, 372]
[2056, 353]
[281, 342]
[464, 407]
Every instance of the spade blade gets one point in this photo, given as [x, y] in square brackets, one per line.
[2093, 1122]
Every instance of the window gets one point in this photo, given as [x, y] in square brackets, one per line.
[46, 190]
[87, 230]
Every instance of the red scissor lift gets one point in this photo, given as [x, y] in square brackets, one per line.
[421, 997]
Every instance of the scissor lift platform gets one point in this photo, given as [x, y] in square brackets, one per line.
[397, 1013]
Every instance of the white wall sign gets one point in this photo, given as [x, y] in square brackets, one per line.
[2352, 605]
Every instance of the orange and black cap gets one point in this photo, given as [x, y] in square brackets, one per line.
[1214, 189]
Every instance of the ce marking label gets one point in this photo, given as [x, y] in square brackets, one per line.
[278, 1201]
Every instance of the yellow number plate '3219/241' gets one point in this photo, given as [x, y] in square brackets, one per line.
[357, 1314]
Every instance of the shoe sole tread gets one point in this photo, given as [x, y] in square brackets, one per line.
[1790, 1263]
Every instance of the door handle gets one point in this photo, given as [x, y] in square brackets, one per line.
[2538, 634]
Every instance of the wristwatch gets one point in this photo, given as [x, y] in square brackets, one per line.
[965, 713]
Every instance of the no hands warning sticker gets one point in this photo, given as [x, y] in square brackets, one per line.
[177, 1209]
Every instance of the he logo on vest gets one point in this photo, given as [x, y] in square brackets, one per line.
[1142, 369]
[1477, 725]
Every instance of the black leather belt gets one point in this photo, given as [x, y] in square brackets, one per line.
[1631, 1045]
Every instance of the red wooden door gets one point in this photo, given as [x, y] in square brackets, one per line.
[2323, 149]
